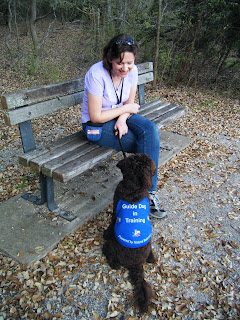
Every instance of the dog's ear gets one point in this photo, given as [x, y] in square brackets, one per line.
[139, 169]
[146, 163]
[151, 165]
[124, 164]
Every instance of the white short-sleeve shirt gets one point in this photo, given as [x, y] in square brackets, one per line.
[99, 83]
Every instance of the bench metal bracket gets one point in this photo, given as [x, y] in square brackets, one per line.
[47, 196]
[27, 136]
[141, 94]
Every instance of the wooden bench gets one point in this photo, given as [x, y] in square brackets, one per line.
[68, 157]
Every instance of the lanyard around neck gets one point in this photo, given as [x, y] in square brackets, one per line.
[119, 99]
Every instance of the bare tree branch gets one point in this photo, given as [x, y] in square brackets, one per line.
[157, 43]
[9, 26]
[48, 30]
[44, 16]
[16, 25]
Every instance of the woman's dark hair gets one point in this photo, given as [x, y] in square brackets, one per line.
[118, 45]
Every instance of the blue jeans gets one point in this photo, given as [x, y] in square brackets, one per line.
[142, 137]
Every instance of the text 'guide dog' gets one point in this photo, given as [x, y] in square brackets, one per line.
[128, 237]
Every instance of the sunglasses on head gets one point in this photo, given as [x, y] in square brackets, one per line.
[130, 42]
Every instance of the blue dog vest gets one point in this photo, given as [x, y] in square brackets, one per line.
[133, 228]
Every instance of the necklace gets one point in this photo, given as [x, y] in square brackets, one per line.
[119, 99]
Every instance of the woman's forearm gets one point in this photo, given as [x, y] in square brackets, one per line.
[98, 115]
[107, 115]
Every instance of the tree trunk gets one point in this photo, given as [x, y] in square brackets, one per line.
[166, 64]
[109, 23]
[32, 24]
[9, 27]
[189, 55]
[156, 55]
[221, 62]
[16, 25]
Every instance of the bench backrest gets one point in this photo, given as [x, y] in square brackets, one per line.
[36, 102]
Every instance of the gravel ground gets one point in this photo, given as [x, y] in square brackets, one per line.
[196, 275]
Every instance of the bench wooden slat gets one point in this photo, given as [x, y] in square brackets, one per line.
[151, 106]
[143, 78]
[50, 166]
[19, 115]
[54, 154]
[170, 116]
[83, 163]
[35, 95]
[27, 157]
[80, 135]
[145, 67]
[158, 111]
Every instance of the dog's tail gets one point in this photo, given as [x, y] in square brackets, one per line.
[143, 290]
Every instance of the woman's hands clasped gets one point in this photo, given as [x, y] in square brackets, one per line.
[121, 126]
[134, 107]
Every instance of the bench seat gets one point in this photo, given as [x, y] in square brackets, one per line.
[70, 156]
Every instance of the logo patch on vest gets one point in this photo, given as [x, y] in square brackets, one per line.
[136, 233]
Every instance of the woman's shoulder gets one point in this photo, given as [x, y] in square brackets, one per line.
[96, 77]
[97, 71]
[135, 70]
[133, 75]
[97, 67]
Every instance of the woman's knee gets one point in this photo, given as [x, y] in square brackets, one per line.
[153, 130]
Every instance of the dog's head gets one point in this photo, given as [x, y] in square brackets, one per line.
[138, 169]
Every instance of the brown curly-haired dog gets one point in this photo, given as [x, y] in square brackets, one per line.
[123, 250]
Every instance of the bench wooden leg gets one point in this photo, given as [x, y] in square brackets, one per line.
[47, 196]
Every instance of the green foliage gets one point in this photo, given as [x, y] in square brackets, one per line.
[24, 183]
[50, 72]
[32, 64]
[209, 104]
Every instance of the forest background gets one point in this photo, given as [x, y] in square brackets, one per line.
[193, 43]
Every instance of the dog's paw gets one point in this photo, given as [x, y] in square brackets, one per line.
[109, 252]
[151, 258]
[114, 264]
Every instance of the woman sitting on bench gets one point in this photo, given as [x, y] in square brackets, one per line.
[109, 110]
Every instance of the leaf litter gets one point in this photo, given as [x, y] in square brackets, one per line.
[196, 275]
